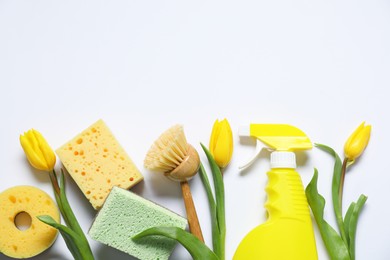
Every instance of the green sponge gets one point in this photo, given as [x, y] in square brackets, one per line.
[125, 214]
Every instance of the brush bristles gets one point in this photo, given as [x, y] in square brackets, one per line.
[168, 151]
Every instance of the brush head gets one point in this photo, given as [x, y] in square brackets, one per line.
[172, 155]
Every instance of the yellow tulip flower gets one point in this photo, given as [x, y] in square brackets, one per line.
[37, 150]
[357, 142]
[221, 143]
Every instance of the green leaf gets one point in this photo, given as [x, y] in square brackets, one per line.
[220, 199]
[213, 212]
[75, 244]
[335, 246]
[197, 249]
[337, 203]
[353, 223]
[70, 218]
[68, 215]
[347, 220]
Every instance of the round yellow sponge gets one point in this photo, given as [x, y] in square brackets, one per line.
[39, 236]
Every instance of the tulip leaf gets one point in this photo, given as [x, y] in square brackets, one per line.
[197, 249]
[347, 220]
[213, 211]
[352, 223]
[74, 242]
[68, 214]
[335, 246]
[219, 190]
[337, 172]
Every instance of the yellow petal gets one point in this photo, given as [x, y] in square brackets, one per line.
[221, 143]
[31, 155]
[231, 140]
[352, 137]
[37, 150]
[222, 151]
[46, 150]
[357, 142]
[214, 136]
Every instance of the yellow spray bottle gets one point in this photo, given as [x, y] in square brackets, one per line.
[288, 232]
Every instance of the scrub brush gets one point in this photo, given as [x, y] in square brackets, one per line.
[179, 161]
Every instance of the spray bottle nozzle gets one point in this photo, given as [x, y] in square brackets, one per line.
[276, 137]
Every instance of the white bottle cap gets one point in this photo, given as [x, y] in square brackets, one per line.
[283, 160]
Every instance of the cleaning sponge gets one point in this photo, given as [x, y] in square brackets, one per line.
[39, 236]
[125, 214]
[97, 162]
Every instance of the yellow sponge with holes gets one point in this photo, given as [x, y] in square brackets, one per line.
[38, 236]
[97, 162]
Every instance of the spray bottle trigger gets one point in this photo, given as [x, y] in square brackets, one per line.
[259, 147]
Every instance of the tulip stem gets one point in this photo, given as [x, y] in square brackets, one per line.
[342, 178]
[337, 186]
[219, 214]
[54, 182]
[79, 240]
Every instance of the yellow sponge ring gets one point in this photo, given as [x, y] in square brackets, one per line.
[39, 236]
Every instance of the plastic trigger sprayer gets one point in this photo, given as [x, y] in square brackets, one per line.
[288, 232]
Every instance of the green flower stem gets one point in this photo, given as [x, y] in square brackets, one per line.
[348, 225]
[71, 220]
[56, 188]
[341, 185]
[213, 212]
[54, 182]
[220, 200]
[337, 184]
[68, 215]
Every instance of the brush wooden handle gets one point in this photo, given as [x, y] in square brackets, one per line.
[192, 217]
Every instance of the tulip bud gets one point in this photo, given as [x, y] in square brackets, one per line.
[221, 143]
[37, 150]
[357, 142]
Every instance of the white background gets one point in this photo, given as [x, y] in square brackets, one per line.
[143, 66]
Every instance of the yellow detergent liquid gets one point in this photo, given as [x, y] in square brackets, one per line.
[288, 233]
